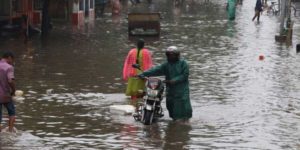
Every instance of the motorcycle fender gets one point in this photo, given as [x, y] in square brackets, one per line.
[148, 107]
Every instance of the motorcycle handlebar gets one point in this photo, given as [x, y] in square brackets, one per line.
[147, 78]
[139, 77]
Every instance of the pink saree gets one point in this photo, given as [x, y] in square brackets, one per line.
[128, 70]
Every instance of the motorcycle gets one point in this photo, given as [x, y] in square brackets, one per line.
[150, 109]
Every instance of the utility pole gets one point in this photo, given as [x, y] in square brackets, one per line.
[45, 18]
[282, 16]
[286, 24]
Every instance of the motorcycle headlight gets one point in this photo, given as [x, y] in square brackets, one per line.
[152, 93]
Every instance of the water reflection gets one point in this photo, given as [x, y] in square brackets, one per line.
[130, 134]
[21, 139]
[177, 136]
[231, 30]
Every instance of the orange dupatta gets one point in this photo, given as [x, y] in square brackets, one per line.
[128, 70]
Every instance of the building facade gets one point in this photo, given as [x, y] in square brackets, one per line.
[11, 10]
[75, 11]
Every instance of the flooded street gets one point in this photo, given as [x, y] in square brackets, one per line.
[239, 102]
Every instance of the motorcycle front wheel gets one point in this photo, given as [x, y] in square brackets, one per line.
[148, 117]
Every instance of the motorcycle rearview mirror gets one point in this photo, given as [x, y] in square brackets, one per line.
[137, 66]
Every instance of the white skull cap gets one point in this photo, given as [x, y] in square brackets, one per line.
[172, 49]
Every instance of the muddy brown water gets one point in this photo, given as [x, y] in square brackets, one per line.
[240, 102]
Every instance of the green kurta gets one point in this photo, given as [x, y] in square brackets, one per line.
[178, 95]
[135, 84]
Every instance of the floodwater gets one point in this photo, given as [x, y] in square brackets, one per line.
[240, 102]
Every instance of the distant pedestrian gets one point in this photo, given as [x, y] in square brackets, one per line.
[7, 88]
[231, 6]
[116, 7]
[258, 10]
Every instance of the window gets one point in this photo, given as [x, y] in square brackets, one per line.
[17, 5]
[4, 7]
[38, 4]
[81, 5]
[91, 4]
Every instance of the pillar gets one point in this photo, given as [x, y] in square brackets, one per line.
[78, 12]
[91, 9]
